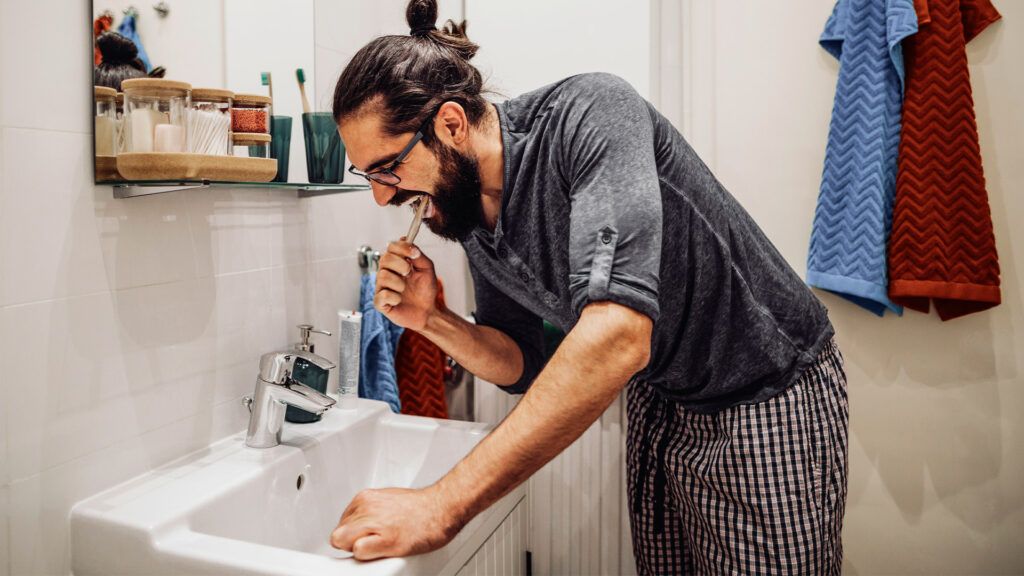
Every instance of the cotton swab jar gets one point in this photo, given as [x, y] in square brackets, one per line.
[157, 114]
[251, 114]
[209, 122]
[105, 121]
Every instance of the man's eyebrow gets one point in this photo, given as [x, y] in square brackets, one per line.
[381, 162]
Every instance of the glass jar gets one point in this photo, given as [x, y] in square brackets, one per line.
[105, 122]
[156, 112]
[251, 114]
[209, 122]
[247, 145]
[120, 135]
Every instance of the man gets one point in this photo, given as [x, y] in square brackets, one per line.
[581, 205]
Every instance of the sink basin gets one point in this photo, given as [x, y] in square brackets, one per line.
[230, 509]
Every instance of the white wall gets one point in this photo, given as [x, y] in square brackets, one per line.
[936, 469]
[130, 329]
[530, 43]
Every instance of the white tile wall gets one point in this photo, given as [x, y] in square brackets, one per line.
[130, 329]
[44, 55]
[47, 218]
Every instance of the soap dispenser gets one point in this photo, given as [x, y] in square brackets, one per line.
[308, 374]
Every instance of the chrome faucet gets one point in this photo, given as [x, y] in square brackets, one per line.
[276, 388]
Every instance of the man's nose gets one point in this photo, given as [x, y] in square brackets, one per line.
[382, 194]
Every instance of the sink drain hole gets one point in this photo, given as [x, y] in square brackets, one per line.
[300, 481]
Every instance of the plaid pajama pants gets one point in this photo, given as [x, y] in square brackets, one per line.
[754, 489]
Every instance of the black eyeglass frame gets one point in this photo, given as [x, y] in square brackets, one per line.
[393, 179]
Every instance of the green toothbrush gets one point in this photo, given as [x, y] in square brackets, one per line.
[266, 80]
[300, 75]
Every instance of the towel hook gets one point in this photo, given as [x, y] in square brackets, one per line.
[162, 9]
[364, 254]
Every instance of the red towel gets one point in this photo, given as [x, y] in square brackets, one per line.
[942, 247]
[420, 365]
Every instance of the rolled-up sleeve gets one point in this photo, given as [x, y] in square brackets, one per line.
[496, 310]
[615, 194]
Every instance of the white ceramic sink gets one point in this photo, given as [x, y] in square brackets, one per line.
[230, 509]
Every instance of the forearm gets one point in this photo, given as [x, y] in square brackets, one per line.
[587, 372]
[485, 352]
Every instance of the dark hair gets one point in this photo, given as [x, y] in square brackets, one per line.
[413, 75]
[120, 61]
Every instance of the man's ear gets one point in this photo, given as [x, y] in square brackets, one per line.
[451, 125]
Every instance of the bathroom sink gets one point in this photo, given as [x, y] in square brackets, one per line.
[231, 509]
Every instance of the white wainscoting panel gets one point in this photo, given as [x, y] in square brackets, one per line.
[579, 523]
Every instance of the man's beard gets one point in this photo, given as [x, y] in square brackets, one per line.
[457, 207]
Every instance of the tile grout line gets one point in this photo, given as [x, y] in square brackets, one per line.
[51, 130]
[80, 457]
[173, 282]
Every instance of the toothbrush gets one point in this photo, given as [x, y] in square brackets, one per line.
[417, 219]
[300, 75]
[267, 81]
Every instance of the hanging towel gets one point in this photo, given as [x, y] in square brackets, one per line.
[943, 248]
[379, 340]
[854, 215]
[421, 369]
[127, 29]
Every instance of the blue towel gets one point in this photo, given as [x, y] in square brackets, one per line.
[379, 339]
[858, 185]
[127, 29]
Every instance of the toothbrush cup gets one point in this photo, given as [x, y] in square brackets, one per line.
[325, 152]
[281, 144]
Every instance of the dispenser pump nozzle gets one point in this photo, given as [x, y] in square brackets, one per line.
[305, 331]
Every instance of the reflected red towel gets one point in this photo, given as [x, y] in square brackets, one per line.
[420, 365]
[99, 26]
[942, 247]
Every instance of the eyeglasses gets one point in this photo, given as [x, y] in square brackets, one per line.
[385, 175]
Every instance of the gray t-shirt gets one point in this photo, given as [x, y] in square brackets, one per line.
[604, 200]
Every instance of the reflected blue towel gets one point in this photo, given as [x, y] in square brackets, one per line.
[127, 29]
[858, 185]
[377, 377]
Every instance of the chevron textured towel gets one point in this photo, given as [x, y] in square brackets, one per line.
[379, 339]
[420, 365]
[943, 248]
[854, 215]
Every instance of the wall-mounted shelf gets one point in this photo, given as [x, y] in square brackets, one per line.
[138, 188]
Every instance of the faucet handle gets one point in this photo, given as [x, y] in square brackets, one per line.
[277, 367]
[315, 359]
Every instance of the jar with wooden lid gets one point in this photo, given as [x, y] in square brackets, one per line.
[209, 121]
[105, 121]
[157, 114]
[250, 145]
[251, 114]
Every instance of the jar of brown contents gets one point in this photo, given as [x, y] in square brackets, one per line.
[250, 113]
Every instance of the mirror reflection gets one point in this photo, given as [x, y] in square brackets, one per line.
[218, 90]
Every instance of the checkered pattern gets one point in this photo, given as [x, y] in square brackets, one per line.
[754, 489]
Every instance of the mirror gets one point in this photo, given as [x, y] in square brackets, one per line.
[248, 47]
